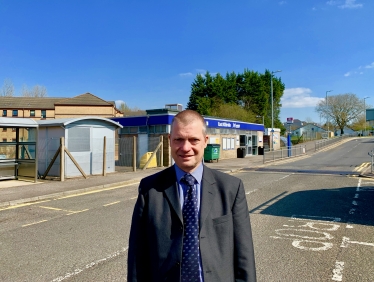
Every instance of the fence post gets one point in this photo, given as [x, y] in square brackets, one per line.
[162, 151]
[62, 159]
[134, 155]
[104, 157]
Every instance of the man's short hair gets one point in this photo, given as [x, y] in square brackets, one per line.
[188, 116]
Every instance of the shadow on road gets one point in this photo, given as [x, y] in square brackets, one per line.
[341, 204]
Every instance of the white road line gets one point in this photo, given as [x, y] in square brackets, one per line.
[111, 203]
[356, 196]
[90, 265]
[34, 223]
[338, 271]
[354, 203]
[347, 241]
[284, 177]
[249, 192]
[316, 218]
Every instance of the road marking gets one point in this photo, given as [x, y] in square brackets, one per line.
[284, 177]
[356, 196]
[94, 191]
[23, 205]
[352, 211]
[354, 203]
[297, 243]
[90, 265]
[50, 208]
[362, 166]
[347, 241]
[34, 223]
[74, 212]
[134, 198]
[338, 271]
[249, 192]
[111, 203]
[317, 218]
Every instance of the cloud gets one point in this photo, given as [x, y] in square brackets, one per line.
[348, 74]
[299, 98]
[282, 2]
[186, 74]
[371, 66]
[119, 102]
[350, 4]
[332, 2]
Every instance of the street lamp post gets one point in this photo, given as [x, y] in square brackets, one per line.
[327, 116]
[272, 108]
[365, 113]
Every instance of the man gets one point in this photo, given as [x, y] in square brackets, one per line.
[213, 242]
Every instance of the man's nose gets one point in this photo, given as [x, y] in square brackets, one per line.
[186, 146]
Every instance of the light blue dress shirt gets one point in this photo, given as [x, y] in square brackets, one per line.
[198, 175]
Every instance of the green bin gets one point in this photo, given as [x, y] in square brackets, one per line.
[211, 152]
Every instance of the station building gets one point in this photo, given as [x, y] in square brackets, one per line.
[229, 134]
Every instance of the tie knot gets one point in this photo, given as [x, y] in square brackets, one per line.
[189, 179]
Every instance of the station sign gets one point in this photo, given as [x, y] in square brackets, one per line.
[289, 120]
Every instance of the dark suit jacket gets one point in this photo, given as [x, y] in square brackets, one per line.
[155, 245]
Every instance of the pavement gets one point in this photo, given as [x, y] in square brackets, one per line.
[16, 192]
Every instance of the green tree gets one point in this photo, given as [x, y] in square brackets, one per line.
[197, 92]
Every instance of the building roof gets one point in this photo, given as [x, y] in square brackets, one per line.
[28, 102]
[46, 103]
[17, 122]
[86, 99]
[65, 121]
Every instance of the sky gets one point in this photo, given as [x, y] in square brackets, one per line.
[147, 53]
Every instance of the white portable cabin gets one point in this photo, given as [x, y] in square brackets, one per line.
[83, 138]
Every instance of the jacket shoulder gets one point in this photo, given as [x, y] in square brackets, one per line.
[159, 181]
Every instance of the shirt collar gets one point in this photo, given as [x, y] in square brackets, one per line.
[197, 173]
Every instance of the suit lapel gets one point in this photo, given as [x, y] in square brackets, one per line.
[207, 195]
[172, 194]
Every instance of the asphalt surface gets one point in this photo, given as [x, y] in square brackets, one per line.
[15, 192]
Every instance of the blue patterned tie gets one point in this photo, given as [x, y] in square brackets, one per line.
[190, 252]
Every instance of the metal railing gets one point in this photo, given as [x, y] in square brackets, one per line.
[327, 142]
[283, 153]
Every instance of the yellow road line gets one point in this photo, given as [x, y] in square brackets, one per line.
[111, 203]
[34, 223]
[94, 191]
[23, 205]
[362, 166]
[77, 212]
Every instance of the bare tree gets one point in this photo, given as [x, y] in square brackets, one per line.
[7, 89]
[341, 109]
[36, 91]
[127, 111]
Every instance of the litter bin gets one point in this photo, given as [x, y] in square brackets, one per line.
[240, 152]
[211, 152]
[260, 150]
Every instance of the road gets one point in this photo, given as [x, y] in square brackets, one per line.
[312, 219]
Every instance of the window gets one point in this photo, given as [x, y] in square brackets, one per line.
[44, 114]
[15, 113]
[13, 129]
[32, 113]
[4, 139]
[4, 113]
[5, 129]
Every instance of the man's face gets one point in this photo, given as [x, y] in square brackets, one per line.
[187, 144]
